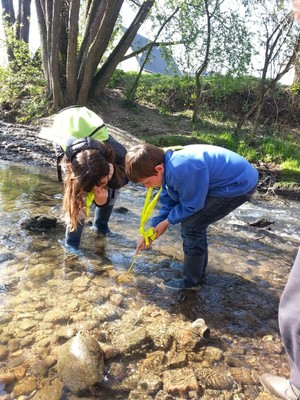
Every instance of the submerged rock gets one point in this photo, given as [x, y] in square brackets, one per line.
[261, 223]
[39, 223]
[80, 363]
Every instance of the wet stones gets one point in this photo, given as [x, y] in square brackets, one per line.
[6, 378]
[51, 391]
[80, 363]
[56, 315]
[133, 341]
[215, 379]
[3, 353]
[25, 387]
[39, 273]
[180, 381]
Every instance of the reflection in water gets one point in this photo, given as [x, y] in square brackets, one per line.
[48, 290]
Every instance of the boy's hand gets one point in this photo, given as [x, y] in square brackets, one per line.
[142, 245]
[101, 195]
[161, 228]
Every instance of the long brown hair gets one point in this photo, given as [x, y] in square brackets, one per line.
[82, 173]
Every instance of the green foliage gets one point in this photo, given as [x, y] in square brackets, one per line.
[291, 170]
[119, 79]
[168, 92]
[23, 84]
[171, 140]
[295, 88]
[223, 86]
[277, 150]
[221, 94]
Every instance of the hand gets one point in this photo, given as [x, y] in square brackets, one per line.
[142, 245]
[101, 195]
[161, 228]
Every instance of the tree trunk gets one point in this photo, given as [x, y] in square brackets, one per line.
[108, 9]
[104, 74]
[297, 70]
[23, 21]
[134, 87]
[54, 56]
[63, 40]
[71, 69]
[198, 90]
[203, 66]
[41, 15]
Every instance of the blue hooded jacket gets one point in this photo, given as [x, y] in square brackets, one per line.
[198, 171]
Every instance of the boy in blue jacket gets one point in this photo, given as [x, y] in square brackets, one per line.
[200, 185]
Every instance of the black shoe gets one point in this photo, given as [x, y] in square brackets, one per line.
[280, 387]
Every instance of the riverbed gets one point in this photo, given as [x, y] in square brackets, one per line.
[50, 292]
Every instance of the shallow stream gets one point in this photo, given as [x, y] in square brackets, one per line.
[46, 287]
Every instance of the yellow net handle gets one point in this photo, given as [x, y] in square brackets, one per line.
[146, 213]
[88, 202]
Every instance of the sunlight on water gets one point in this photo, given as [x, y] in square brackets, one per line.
[46, 287]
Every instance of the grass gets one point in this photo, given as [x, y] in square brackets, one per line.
[284, 152]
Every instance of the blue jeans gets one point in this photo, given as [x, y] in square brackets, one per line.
[193, 233]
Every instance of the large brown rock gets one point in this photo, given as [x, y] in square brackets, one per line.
[80, 363]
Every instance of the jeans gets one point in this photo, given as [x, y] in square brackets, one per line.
[193, 233]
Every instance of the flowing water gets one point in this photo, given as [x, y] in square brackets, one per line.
[45, 287]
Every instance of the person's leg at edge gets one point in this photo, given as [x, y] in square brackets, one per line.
[289, 325]
[289, 320]
[193, 233]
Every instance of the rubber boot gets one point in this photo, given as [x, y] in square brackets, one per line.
[101, 218]
[193, 269]
[73, 237]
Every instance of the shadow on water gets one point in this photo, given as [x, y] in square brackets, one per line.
[45, 285]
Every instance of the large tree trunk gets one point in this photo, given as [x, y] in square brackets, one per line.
[108, 11]
[71, 72]
[41, 15]
[54, 67]
[23, 21]
[71, 68]
[104, 74]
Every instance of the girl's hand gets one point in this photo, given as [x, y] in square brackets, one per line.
[101, 195]
[161, 228]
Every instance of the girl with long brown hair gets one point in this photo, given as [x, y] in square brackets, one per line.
[93, 163]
